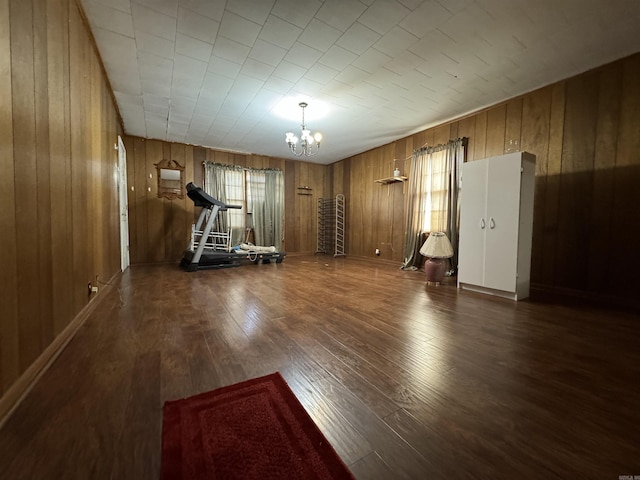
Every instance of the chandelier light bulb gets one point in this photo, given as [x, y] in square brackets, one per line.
[290, 138]
[306, 139]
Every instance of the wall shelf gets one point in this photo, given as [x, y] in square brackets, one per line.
[388, 180]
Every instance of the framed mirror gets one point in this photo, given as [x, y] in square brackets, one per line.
[170, 179]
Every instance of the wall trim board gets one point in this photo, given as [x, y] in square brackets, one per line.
[12, 398]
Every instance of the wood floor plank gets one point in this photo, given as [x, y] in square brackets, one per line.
[401, 457]
[343, 436]
[371, 467]
[317, 345]
[405, 380]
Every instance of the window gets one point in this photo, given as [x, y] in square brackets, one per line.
[235, 195]
[261, 195]
[432, 197]
[434, 204]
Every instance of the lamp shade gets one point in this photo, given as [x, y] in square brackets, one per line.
[437, 245]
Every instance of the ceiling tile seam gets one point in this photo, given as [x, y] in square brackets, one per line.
[284, 19]
[151, 7]
[313, 47]
[302, 29]
[166, 123]
[186, 7]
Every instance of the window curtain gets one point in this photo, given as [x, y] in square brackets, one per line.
[261, 194]
[226, 183]
[432, 198]
[265, 202]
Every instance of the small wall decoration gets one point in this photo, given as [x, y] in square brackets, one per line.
[170, 179]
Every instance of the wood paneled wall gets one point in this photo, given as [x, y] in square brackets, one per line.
[160, 229]
[585, 133]
[59, 217]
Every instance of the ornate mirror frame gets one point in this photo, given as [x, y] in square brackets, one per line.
[170, 179]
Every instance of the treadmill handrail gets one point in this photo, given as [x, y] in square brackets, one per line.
[203, 199]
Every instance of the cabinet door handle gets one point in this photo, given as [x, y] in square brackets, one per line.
[492, 223]
[482, 225]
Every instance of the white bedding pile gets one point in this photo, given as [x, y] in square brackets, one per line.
[246, 247]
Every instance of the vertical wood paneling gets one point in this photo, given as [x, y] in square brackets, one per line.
[156, 248]
[60, 174]
[337, 178]
[199, 157]
[625, 212]
[513, 125]
[327, 181]
[427, 139]
[141, 194]
[496, 127]
[346, 188]
[381, 166]
[57, 187]
[467, 128]
[132, 172]
[552, 193]
[23, 94]
[535, 139]
[96, 183]
[357, 202]
[480, 150]
[80, 146]
[302, 203]
[599, 267]
[441, 135]
[167, 210]
[43, 167]
[453, 130]
[178, 209]
[397, 203]
[372, 191]
[290, 208]
[318, 183]
[9, 351]
[188, 206]
[576, 181]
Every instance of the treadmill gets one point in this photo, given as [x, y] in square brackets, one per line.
[208, 253]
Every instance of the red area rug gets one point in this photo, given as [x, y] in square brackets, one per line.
[252, 430]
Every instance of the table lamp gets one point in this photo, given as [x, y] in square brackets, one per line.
[437, 249]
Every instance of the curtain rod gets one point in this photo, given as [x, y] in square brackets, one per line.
[439, 147]
[240, 167]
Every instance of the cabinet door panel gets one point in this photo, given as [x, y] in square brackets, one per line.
[472, 215]
[503, 207]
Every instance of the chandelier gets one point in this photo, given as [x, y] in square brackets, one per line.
[309, 145]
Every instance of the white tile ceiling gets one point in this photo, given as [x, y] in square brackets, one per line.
[220, 73]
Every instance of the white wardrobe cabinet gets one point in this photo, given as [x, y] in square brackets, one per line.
[496, 225]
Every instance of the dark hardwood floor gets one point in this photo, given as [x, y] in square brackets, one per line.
[405, 380]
